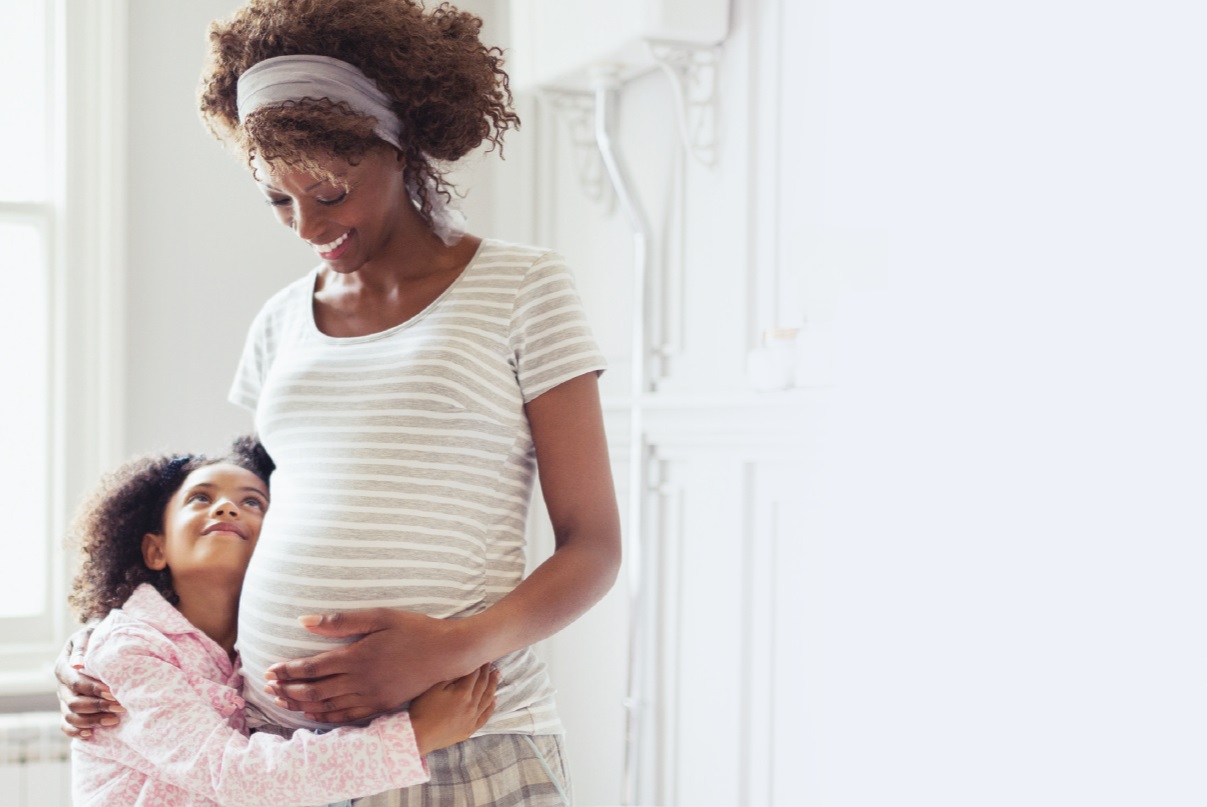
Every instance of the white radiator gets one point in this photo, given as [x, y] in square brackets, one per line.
[35, 761]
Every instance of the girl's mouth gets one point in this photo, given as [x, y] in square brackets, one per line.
[225, 526]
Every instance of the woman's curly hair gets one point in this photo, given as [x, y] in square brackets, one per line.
[126, 505]
[448, 89]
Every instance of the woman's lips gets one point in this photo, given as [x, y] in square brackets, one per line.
[333, 250]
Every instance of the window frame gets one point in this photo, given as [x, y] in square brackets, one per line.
[82, 222]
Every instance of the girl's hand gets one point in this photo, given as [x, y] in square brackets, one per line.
[399, 655]
[84, 702]
[451, 712]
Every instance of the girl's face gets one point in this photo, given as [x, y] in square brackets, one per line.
[347, 227]
[210, 526]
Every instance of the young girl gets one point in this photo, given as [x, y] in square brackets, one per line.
[167, 541]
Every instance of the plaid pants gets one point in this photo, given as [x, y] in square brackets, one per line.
[494, 770]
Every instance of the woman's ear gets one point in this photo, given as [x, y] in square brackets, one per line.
[152, 552]
[400, 160]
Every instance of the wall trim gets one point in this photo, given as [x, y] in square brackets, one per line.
[90, 247]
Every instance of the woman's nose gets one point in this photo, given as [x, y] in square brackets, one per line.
[307, 223]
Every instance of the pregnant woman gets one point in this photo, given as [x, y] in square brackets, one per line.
[408, 389]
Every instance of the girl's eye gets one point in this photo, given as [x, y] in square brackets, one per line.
[253, 502]
[282, 202]
[199, 497]
[334, 201]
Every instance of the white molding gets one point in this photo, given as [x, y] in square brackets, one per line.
[112, 137]
[669, 301]
[89, 249]
[761, 495]
[670, 498]
[26, 683]
[739, 426]
[766, 87]
[27, 212]
[764, 526]
[686, 401]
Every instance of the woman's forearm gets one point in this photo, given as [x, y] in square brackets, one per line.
[576, 482]
[557, 592]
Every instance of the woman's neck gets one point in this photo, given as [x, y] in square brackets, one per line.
[417, 259]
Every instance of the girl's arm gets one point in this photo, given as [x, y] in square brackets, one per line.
[174, 734]
[402, 653]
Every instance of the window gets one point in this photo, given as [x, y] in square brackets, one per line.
[59, 239]
[27, 212]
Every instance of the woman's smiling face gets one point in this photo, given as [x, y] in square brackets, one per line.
[348, 223]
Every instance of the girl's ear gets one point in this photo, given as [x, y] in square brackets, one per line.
[152, 551]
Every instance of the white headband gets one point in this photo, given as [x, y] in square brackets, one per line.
[276, 81]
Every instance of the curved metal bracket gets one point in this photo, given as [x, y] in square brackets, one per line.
[578, 110]
[694, 72]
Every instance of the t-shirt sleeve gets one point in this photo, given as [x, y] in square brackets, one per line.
[551, 341]
[254, 363]
[173, 734]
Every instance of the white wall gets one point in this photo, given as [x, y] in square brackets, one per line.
[993, 220]
[204, 251]
[1020, 409]
[1003, 205]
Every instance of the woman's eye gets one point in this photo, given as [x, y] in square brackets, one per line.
[282, 202]
[253, 502]
[333, 201]
[199, 497]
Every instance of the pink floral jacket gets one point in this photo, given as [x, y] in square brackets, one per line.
[184, 739]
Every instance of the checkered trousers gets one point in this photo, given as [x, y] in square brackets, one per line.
[494, 770]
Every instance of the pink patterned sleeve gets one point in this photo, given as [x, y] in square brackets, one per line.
[173, 734]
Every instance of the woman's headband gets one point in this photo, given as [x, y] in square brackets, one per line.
[280, 79]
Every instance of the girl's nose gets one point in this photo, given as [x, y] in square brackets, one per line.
[226, 507]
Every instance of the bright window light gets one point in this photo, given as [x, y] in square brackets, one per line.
[24, 96]
[24, 423]
[26, 213]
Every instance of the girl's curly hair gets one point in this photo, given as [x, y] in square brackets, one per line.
[126, 505]
[448, 89]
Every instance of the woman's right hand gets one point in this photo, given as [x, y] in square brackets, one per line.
[452, 711]
[84, 702]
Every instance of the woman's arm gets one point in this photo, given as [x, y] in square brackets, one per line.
[175, 734]
[402, 653]
[576, 480]
[84, 702]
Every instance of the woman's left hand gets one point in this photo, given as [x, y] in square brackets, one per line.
[400, 654]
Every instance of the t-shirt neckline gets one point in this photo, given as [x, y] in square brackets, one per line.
[388, 332]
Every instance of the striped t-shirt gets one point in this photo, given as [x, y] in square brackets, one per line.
[405, 462]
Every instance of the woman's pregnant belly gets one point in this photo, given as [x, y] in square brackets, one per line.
[316, 559]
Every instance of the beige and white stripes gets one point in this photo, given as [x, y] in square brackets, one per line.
[405, 462]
